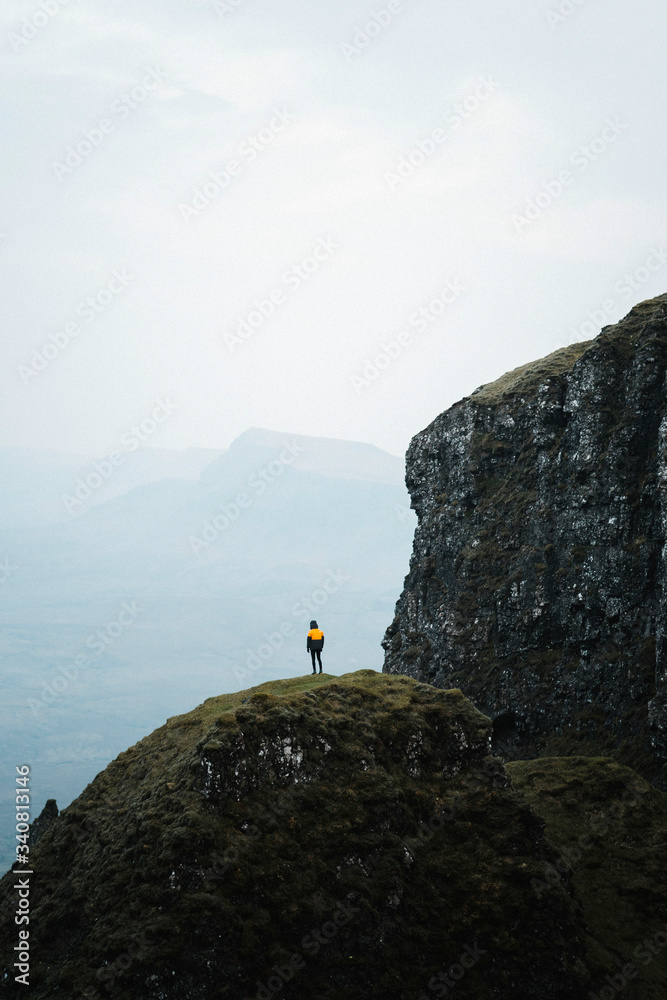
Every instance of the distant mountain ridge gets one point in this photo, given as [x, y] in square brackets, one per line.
[38, 483]
[47, 487]
[223, 590]
[329, 456]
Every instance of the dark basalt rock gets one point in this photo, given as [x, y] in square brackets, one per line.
[536, 581]
[343, 839]
[39, 826]
[340, 839]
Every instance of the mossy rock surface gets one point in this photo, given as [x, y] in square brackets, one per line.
[609, 826]
[323, 838]
[537, 578]
[528, 378]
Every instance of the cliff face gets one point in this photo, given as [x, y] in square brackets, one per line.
[338, 839]
[343, 840]
[537, 573]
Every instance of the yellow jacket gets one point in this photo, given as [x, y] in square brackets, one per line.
[315, 639]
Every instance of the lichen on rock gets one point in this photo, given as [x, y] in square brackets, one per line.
[537, 573]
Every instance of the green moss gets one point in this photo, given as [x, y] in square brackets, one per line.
[621, 339]
[208, 852]
[239, 852]
[526, 379]
[607, 825]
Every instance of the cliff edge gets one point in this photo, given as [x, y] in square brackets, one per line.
[341, 839]
[536, 581]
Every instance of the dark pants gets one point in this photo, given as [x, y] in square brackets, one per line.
[316, 653]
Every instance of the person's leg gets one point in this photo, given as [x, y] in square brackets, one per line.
[319, 659]
[312, 656]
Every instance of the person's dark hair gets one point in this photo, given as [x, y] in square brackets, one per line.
[313, 624]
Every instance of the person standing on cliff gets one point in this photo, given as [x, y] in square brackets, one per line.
[315, 644]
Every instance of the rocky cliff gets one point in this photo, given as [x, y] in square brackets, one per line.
[536, 581]
[342, 840]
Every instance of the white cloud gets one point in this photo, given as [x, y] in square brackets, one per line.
[249, 80]
[597, 229]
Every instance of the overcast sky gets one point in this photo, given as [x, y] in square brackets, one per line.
[373, 159]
